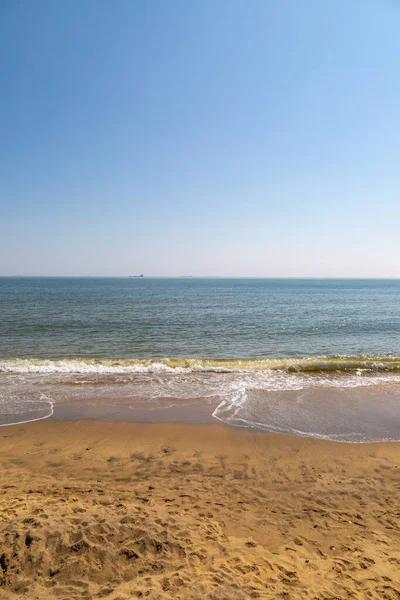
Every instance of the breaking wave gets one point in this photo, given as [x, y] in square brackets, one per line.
[308, 364]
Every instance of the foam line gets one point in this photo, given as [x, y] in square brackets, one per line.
[51, 403]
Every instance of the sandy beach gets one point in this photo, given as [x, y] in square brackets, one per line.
[116, 510]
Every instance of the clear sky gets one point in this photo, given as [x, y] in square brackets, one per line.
[202, 137]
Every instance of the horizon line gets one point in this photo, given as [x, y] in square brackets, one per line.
[198, 277]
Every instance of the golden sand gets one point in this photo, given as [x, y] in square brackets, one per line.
[91, 509]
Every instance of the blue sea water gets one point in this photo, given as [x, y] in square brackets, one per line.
[231, 341]
[201, 318]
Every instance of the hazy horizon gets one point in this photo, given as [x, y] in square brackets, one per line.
[189, 277]
[206, 139]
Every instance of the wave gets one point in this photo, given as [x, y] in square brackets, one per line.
[307, 364]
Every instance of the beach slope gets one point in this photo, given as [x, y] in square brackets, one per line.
[115, 510]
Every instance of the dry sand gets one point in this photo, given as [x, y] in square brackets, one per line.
[122, 510]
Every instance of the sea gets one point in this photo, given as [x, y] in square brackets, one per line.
[311, 357]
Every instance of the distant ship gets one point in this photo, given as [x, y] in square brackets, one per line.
[136, 275]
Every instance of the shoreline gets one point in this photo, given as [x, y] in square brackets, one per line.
[123, 510]
[214, 421]
[360, 415]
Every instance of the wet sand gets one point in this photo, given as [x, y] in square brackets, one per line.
[332, 408]
[95, 509]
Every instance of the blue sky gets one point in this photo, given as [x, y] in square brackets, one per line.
[206, 137]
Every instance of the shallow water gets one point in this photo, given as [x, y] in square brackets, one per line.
[341, 407]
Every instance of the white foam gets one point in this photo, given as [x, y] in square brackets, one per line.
[78, 367]
[231, 390]
[50, 414]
